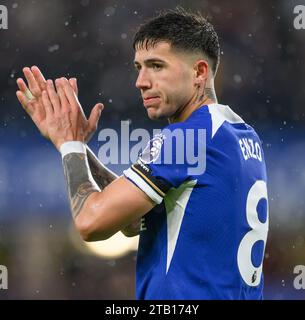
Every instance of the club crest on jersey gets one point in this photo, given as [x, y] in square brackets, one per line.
[152, 150]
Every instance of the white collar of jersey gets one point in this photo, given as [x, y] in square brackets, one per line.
[221, 113]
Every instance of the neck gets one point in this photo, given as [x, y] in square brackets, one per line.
[204, 98]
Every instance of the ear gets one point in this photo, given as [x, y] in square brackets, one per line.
[201, 68]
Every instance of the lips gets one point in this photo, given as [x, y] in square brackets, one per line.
[149, 101]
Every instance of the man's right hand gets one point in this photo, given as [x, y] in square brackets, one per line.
[30, 97]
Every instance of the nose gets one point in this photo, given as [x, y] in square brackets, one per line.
[143, 82]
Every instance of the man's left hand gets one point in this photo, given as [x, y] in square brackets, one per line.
[63, 113]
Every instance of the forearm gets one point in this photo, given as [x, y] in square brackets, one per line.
[81, 183]
[79, 180]
[103, 176]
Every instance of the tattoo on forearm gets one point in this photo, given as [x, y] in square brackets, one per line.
[210, 93]
[103, 176]
[100, 173]
[79, 180]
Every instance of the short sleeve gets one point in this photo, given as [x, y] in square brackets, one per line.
[163, 163]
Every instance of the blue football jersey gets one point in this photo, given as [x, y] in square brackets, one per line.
[205, 238]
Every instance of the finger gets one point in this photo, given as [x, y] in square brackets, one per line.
[47, 104]
[28, 107]
[69, 93]
[61, 93]
[39, 77]
[95, 117]
[53, 96]
[22, 85]
[32, 83]
[73, 83]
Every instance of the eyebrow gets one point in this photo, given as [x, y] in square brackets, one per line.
[149, 61]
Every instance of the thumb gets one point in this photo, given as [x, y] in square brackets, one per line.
[95, 116]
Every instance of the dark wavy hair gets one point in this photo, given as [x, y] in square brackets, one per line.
[184, 30]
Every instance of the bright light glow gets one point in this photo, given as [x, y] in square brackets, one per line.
[115, 247]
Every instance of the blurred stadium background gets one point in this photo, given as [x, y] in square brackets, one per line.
[262, 76]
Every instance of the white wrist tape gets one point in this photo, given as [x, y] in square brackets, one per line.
[72, 147]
